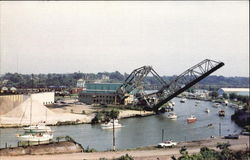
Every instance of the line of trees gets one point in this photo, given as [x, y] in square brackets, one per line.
[69, 80]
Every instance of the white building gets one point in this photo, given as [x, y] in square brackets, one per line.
[80, 83]
[238, 91]
[105, 77]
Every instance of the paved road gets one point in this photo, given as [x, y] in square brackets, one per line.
[145, 154]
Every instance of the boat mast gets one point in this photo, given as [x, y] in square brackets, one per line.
[31, 100]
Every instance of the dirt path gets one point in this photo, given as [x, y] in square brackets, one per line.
[144, 154]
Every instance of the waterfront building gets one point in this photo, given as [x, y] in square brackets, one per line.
[238, 91]
[80, 83]
[99, 93]
[4, 90]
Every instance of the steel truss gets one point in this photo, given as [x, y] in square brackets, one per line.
[186, 80]
[134, 83]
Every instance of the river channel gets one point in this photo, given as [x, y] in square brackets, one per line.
[145, 131]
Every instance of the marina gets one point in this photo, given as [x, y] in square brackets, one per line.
[124, 81]
[137, 132]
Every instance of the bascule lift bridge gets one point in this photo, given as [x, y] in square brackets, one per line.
[167, 90]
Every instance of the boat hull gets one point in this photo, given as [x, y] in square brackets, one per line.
[191, 120]
[110, 127]
[32, 138]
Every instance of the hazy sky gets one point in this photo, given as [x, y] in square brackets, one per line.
[64, 37]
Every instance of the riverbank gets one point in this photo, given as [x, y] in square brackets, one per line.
[59, 114]
[42, 149]
[143, 153]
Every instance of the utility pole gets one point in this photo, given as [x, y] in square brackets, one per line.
[219, 129]
[113, 134]
[162, 135]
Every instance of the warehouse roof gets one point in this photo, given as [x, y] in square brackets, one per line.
[235, 89]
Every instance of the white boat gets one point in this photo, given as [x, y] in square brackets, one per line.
[172, 115]
[35, 137]
[207, 110]
[183, 100]
[111, 124]
[40, 127]
[173, 104]
[216, 105]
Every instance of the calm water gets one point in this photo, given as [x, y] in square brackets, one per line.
[146, 131]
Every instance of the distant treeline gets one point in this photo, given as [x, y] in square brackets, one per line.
[70, 79]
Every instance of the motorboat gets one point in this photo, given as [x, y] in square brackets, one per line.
[207, 110]
[221, 113]
[172, 115]
[173, 104]
[191, 119]
[216, 105]
[111, 124]
[183, 100]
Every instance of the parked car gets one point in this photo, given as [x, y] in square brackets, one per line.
[245, 133]
[230, 136]
[167, 144]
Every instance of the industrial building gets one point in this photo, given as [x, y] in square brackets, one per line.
[99, 93]
[238, 91]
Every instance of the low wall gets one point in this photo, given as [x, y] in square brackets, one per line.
[51, 148]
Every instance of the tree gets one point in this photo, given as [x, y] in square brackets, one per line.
[232, 96]
[225, 96]
[213, 94]
[223, 146]
[114, 114]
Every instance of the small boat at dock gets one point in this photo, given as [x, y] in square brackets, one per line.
[191, 119]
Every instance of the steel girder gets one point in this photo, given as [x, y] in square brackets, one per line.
[186, 80]
[134, 82]
[168, 90]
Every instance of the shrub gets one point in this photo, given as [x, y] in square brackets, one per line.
[88, 150]
[126, 157]
[104, 116]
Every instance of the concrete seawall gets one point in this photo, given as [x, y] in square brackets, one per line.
[51, 148]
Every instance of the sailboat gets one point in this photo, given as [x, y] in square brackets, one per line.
[35, 133]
